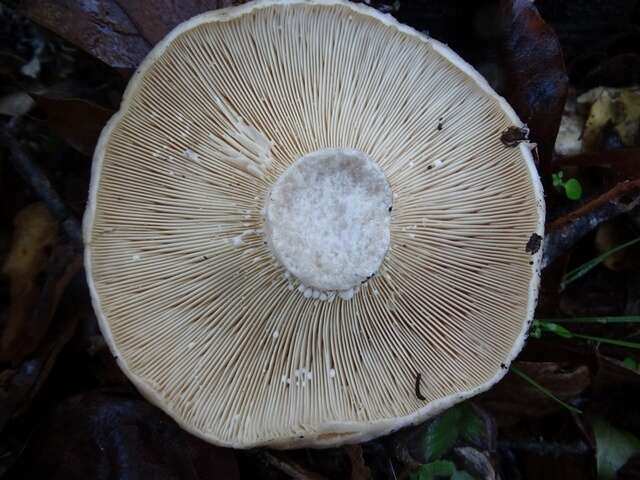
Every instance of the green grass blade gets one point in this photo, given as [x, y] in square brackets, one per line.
[602, 320]
[610, 341]
[578, 272]
[547, 392]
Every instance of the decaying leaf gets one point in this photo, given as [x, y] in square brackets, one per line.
[101, 28]
[359, 469]
[609, 236]
[39, 270]
[569, 138]
[536, 80]
[462, 425]
[107, 434]
[513, 397]
[155, 18]
[35, 232]
[20, 382]
[614, 374]
[613, 111]
[78, 122]
[120, 33]
[613, 448]
[16, 104]
[475, 462]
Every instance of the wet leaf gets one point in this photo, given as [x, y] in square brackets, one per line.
[613, 448]
[476, 462]
[15, 104]
[536, 80]
[102, 28]
[35, 232]
[107, 434]
[459, 422]
[359, 469]
[613, 111]
[434, 470]
[631, 469]
[155, 18]
[461, 475]
[20, 383]
[120, 33]
[514, 397]
[615, 374]
[78, 122]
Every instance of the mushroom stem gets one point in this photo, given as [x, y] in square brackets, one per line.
[327, 221]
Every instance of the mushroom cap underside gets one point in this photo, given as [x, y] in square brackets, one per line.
[204, 318]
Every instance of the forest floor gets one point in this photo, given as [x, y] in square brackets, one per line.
[568, 409]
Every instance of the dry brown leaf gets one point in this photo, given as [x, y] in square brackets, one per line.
[39, 269]
[514, 398]
[35, 232]
[359, 469]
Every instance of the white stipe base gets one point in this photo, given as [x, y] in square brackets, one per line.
[327, 221]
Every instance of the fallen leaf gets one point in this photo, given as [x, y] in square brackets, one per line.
[155, 18]
[613, 448]
[475, 462]
[38, 267]
[78, 122]
[359, 469]
[614, 374]
[569, 138]
[514, 398]
[611, 235]
[434, 470]
[35, 232]
[16, 104]
[21, 382]
[110, 434]
[536, 81]
[630, 470]
[101, 28]
[612, 111]
[461, 425]
[617, 71]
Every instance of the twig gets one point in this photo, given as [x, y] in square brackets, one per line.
[565, 231]
[32, 174]
[291, 468]
[611, 196]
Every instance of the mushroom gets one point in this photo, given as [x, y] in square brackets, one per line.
[304, 228]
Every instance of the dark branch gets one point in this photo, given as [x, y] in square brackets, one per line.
[564, 232]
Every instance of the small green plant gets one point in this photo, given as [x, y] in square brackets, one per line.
[459, 423]
[571, 187]
[538, 327]
[440, 469]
